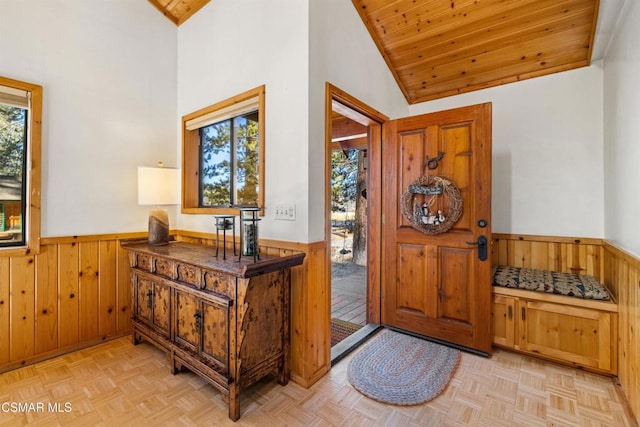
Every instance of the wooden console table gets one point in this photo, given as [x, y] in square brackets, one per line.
[225, 320]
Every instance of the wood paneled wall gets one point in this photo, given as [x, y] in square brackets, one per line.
[74, 293]
[566, 254]
[622, 277]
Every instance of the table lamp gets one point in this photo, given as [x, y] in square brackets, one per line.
[158, 186]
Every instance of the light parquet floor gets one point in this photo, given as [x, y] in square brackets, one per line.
[118, 384]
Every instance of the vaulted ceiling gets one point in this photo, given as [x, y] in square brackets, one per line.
[438, 48]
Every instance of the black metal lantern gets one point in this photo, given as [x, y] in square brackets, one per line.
[249, 233]
[224, 223]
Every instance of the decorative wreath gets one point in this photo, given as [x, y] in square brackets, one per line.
[432, 204]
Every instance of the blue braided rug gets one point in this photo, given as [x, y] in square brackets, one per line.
[402, 370]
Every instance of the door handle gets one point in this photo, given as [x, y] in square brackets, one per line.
[482, 247]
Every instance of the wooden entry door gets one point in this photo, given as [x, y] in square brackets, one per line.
[436, 285]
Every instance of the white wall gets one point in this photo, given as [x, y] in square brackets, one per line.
[342, 53]
[108, 70]
[231, 46]
[622, 132]
[547, 152]
[111, 87]
[547, 132]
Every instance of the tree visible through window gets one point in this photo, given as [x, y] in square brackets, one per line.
[229, 169]
[13, 157]
[223, 147]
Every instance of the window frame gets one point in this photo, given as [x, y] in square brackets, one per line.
[190, 196]
[32, 173]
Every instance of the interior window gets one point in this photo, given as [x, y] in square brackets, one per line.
[20, 118]
[223, 155]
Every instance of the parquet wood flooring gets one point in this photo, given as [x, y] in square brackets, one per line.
[118, 384]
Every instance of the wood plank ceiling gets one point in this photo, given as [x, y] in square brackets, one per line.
[178, 11]
[438, 48]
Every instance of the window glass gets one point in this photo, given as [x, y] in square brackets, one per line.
[13, 157]
[247, 159]
[215, 142]
[229, 156]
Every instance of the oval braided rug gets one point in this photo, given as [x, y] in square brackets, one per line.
[402, 370]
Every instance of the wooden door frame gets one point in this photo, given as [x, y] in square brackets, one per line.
[360, 112]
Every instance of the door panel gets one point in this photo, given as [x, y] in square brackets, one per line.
[410, 298]
[215, 343]
[144, 293]
[411, 147]
[188, 326]
[152, 303]
[503, 321]
[434, 284]
[455, 299]
[161, 309]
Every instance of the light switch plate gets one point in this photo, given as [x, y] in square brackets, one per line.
[285, 211]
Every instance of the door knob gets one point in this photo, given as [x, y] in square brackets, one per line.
[482, 247]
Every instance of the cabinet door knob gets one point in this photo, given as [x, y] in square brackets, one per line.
[510, 312]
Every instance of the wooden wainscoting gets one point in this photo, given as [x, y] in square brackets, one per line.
[622, 277]
[76, 293]
[73, 294]
[310, 303]
[566, 254]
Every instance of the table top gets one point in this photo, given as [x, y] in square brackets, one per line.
[204, 256]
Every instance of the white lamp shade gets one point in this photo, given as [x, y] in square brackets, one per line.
[158, 186]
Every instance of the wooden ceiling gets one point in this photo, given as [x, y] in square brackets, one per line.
[178, 11]
[438, 48]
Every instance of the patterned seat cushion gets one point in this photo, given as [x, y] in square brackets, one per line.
[569, 284]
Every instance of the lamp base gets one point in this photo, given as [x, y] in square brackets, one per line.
[158, 227]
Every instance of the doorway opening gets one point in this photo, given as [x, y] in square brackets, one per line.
[353, 219]
[348, 237]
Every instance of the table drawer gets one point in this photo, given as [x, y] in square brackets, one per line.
[165, 268]
[218, 283]
[189, 274]
[143, 262]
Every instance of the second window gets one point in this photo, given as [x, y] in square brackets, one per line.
[229, 169]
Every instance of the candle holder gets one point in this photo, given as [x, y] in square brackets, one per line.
[249, 233]
[224, 223]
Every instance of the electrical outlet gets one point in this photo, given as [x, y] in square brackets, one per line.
[285, 211]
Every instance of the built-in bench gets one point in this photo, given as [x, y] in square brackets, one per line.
[565, 317]
[554, 282]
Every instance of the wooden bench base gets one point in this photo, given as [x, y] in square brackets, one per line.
[580, 333]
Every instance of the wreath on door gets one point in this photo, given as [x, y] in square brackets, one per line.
[432, 204]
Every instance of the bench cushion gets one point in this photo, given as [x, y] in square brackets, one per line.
[569, 284]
